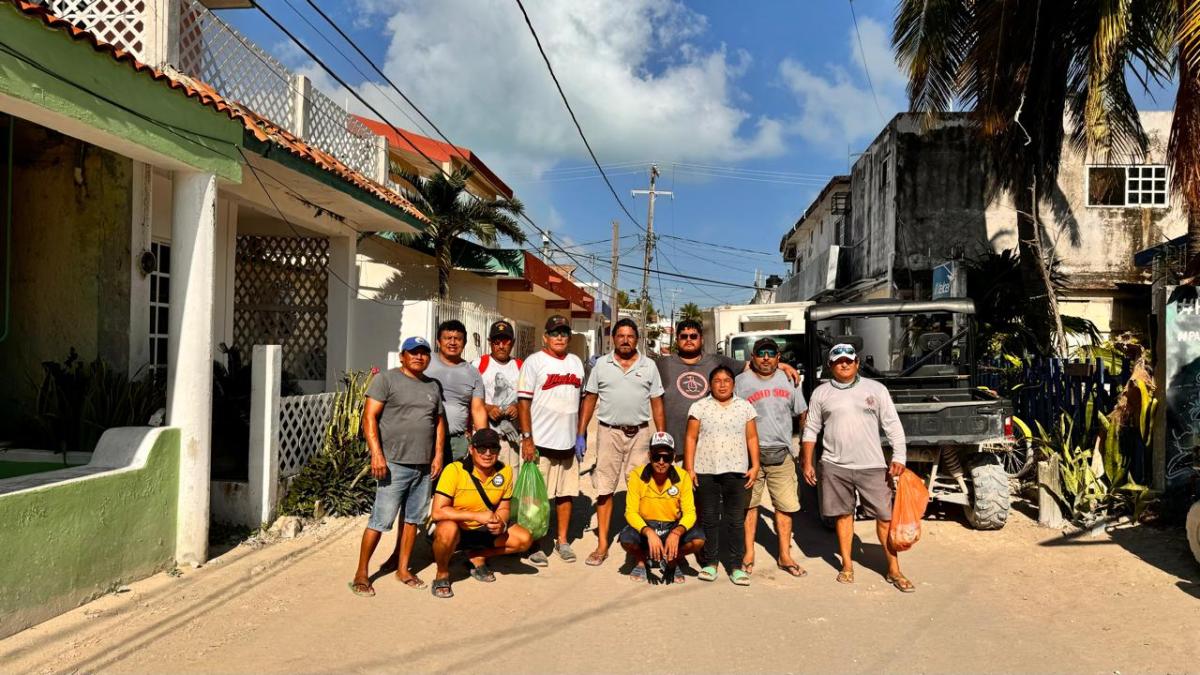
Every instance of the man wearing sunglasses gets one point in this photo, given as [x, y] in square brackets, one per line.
[660, 510]
[471, 506]
[778, 403]
[850, 411]
[685, 374]
[548, 391]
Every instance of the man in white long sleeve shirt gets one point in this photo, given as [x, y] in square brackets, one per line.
[851, 410]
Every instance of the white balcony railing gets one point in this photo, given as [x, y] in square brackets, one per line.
[188, 37]
[818, 275]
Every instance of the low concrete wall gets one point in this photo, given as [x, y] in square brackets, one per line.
[69, 536]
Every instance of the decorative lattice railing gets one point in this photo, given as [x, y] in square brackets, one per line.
[210, 50]
[476, 318]
[303, 421]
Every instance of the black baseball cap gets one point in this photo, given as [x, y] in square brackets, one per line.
[501, 329]
[485, 438]
[764, 343]
[557, 321]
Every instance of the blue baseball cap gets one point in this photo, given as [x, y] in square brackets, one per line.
[415, 342]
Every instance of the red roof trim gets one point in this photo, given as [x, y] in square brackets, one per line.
[538, 272]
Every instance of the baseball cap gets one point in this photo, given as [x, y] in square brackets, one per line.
[662, 439]
[485, 438]
[415, 342]
[501, 329]
[557, 321]
[764, 343]
[842, 351]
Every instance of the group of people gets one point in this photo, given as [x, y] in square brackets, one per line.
[445, 436]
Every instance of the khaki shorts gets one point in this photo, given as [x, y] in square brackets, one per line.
[781, 483]
[616, 455]
[838, 486]
[560, 471]
[510, 454]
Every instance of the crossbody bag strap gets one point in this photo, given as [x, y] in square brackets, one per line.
[482, 493]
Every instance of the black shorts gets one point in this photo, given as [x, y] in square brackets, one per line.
[633, 537]
[473, 540]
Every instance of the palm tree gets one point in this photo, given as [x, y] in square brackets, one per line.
[689, 311]
[454, 213]
[1184, 147]
[1020, 67]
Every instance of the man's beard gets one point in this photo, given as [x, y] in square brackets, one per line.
[686, 354]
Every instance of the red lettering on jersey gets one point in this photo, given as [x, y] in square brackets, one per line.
[556, 379]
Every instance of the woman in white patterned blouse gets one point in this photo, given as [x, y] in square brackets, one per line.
[721, 454]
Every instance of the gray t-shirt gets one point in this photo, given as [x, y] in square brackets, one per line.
[777, 401]
[683, 385]
[408, 423]
[460, 384]
[851, 419]
[624, 395]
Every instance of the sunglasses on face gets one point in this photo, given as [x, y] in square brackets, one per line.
[768, 353]
[664, 458]
[689, 336]
[487, 451]
[559, 334]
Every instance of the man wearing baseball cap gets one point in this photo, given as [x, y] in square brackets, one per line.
[404, 424]
[499, 370]
[548, 395]
[850, 410]
[660, 510]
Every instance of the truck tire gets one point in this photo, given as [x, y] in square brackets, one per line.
[989, 498]
[1193, 530]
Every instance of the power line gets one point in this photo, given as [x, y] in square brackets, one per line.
[763, 172]
[866, 70]
[710, 244]
[578, 128]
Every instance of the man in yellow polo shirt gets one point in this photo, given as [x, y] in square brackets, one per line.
[471, 508]
[660, 508]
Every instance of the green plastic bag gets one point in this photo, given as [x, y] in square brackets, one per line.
[531, 506]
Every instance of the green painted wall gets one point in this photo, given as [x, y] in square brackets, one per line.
[72, 213]
[63, 545]
[194, 133]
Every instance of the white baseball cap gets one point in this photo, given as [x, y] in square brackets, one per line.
[662, 439]
[842, 351]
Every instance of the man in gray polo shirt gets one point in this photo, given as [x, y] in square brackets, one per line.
[850, 411]
[463, 392]
[624, 389]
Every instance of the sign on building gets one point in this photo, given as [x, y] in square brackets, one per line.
[948, 281]
[1183, 386]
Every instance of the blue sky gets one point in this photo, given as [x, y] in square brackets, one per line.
[746, 107]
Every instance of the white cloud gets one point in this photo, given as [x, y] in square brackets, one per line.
[638, 84]
[837, 109]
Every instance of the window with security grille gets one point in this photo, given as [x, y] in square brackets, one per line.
[280, 289]
[1138, 186]
[160, 304]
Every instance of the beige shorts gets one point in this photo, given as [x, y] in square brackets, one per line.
[781, 483]
[510, 454]
[561, 472]
[616, 455]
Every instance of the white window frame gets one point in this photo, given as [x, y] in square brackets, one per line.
[159, 305]
[1166, 189]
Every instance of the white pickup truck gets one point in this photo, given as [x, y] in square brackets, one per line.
[733, 329]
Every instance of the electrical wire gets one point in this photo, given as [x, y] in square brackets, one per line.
[866, 70]
[574, 119]
[709, 244]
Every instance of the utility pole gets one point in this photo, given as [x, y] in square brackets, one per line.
[652, 192]
[613, 307]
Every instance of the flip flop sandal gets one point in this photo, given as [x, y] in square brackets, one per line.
[901, 583]
[708, 573]
[748, 567]
[595, 559]
[794, 570]
[740, 578]
[362, 590]
[483, 573]
[441, 589]
[638, 574]
[845, 577]
[412, 582]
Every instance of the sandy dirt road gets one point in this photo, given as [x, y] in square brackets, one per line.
[1021, 599]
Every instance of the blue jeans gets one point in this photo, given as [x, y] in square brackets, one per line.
[406, 484]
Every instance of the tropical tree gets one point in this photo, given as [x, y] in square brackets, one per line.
[689, 311]
[1184, 148]
[1020, 67]
[454, 213]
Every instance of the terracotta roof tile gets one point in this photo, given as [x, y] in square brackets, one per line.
[262, 128]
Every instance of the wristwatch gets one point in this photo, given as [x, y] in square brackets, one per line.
[526, 435]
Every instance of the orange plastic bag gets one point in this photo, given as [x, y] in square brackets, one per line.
[907, 511]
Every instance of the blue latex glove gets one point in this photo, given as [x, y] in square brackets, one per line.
[580, 446]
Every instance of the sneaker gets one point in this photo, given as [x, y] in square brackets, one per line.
[565, 552]
[539, 559]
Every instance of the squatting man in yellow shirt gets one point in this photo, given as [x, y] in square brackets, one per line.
[660, 508]
[471, 509]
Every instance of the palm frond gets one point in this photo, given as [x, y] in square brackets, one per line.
[929, 37]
